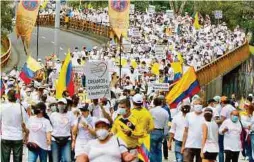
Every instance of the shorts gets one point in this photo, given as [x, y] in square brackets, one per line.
[210, 155]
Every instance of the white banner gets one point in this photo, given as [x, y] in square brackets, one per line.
[97, 80]
[160, 86]
[160, 51]
[78, 69]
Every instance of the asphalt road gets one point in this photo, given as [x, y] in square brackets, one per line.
[46, 43]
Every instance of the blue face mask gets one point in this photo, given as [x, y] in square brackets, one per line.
[122, 111]
[234, 118]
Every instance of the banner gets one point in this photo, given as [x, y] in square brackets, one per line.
[26, 18]
[160, 86]
[97, 80]
[160, 52]
[118, 11]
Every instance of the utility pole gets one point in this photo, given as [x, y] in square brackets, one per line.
[57, 26]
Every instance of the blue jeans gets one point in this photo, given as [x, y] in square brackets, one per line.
[156, 144]
[178, 155]
[62, 153]
[33, 155]
[221, 148]
[252, 148]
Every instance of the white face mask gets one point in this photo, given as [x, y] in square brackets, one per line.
[198, 108]
[102, 134]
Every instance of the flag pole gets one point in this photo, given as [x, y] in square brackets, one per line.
[38, 24]
[120, 81]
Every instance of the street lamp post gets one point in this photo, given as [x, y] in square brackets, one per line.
[57, 25]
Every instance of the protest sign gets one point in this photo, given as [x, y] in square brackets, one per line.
[151, 9]
[132, 8]
[78, 69]
[160, 52]
[135, 32]
[97, 80]
[127, 48]
[160, 86]
[218, 14]
[170, 13]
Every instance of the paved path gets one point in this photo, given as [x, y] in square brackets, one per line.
[46, 43]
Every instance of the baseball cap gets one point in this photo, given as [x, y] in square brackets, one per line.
[217, 98]
[102, 120]
[84, 107]
[63, 100]
[137, 98]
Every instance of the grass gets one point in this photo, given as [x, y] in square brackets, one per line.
[252, 49]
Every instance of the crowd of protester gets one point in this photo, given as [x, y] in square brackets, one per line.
[111, 129]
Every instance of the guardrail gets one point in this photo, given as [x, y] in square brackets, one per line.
[6, 43]
[223, 64]
[205, 75]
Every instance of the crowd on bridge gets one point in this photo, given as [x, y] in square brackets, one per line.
[118, 128]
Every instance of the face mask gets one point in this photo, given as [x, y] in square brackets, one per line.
[234, 118]
[198, 108]
[61, 108]
[122, 111]
[88, 119]
[53, 108]
[102, 134]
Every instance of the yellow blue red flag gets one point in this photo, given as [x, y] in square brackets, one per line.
[118, 11]
[66, 78]
[178, 71]
[26, 18]
[144, 149]
[187, 86]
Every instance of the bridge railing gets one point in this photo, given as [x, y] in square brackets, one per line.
[6, 56]
[76, 24]
[205, 75]
[223, 64]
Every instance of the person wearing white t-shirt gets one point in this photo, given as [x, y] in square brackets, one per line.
[62, 123]
[231, 128]
[210, 147]
[192, 140]
[13, 120]
[39, 134]
[177, 129]
[106, 147]
[83, 130]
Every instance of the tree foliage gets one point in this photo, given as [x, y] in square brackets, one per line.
[6, 17]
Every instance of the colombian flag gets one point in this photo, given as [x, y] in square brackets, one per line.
[144, 149]
[29, 70]
[177, 67]
[65, 81]
[187, 86]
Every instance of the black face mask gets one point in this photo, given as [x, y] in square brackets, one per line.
[37, 111]
[185, 109]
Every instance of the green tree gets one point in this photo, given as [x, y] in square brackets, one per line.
[6, 17]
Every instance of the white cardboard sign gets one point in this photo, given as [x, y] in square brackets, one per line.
[160, 86]
[97, 80]
[160, 52]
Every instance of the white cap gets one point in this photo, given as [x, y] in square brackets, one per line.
[102, 120]
[39, 59]
[63, 100]
[137, 98]
[251, 95]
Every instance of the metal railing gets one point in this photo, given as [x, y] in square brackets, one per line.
[6, 43]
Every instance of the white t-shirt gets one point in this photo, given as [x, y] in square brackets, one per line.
[110, 151]
[62, 124]
[38, 129]
[226, 111]
[83, 134]
[232, 140]
[177, 127]
[10, 118]
[194, 123]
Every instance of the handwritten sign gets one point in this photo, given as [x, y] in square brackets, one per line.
[160, 52]
[78, 69]
[160, 86]
[97, 80]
